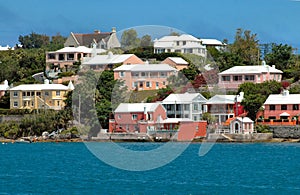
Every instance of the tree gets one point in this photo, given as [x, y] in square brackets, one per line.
[256, 94]
[129, 39]
[146, 41]
[34, 40]
[246, 47]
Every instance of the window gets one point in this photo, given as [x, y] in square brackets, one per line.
[225, 78]
[237, 78]
[148, 84]
[163, 74]
[58, 103]
[272, 107]
[70, 56]
[15, 104]
[38, 94]
[46, 93]
[177, 43]
[195, 106]
[28, 93]
[186, 107]
[61, 57]
[164, 82]
[121, 74]
[23, 94]
[249, 77]
[157, 84]
[51, 56]
[195, 118]
[134, 117]
[32, 93]
[119, 116]
[284, 107]
[184, 43]
[15, 94]
[296, 107]
[272, 117]
[143, 74]
[57, 93]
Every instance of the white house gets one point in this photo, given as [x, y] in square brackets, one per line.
[186, 105]
[241, 125]
[219, 45]
[180, 44]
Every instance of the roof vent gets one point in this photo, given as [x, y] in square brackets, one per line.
[264, 63]
[110, 55]
[46, 81]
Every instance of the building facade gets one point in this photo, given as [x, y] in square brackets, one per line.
[176, 62]
[284, 106]
[231, 79]
[187, 105]
[39, 96]
[103, 40]
[145, 76]
[224, 107]
[180, 44]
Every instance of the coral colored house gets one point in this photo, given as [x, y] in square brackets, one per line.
[282, 106]
[151, 118]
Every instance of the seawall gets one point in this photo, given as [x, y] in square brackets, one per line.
[287, 132]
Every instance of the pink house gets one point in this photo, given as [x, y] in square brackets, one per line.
[145, 76]
[284, 106]
[233, 77]
[137, 117]
[151, 118]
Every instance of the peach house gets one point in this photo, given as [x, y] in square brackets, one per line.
[102, 62]
[282, 106]
[176, 62]
[145, 76]
[231, 79]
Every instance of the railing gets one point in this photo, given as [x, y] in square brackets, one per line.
[277, 123]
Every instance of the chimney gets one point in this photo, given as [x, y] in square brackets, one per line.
[145, 113]
[97, 31]
[46, 81]
[113, 30]
[273, 66]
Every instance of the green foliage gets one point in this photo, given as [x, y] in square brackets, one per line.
[209, 118]
[246, 47]
[129, 39]
[161, 94]
[256, 95]
[262, 129]
[146, 41]
[66, 74]
[280, 56]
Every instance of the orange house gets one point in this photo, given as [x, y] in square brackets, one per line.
[176, 62]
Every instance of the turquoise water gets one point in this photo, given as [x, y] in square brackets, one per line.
[69, 168]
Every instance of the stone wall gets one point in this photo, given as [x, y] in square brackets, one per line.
[292, 132]
[5, 118]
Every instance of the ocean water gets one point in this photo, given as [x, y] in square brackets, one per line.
[70, 168]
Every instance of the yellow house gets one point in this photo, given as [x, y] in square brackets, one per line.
[39, 96]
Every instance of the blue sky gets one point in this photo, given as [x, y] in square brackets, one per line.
[272, 20]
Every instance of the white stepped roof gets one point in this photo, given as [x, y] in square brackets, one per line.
[108, 59]
[39, 87]
[251, 70]
[178, 60]
[283, 99]
[136, 107]
[183, 37]
[183, 98]
[225, 99]
[146, 68]
[212, 42]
